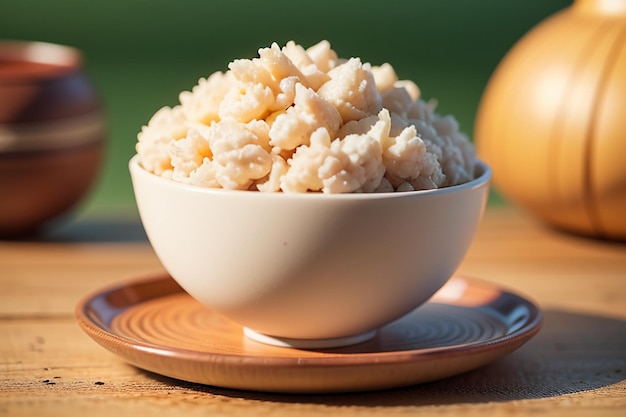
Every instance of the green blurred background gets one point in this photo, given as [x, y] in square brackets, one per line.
[142, 53]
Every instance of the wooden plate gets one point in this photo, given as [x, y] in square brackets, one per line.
[154, 325]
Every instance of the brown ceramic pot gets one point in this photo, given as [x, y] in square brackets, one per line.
[52, 134]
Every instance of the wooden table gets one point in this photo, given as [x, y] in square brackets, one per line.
[575, 366]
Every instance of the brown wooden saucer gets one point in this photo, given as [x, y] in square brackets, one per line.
[154, 325]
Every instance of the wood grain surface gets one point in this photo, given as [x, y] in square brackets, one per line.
[575, 366]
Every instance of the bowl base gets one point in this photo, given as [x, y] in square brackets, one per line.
[308, 343]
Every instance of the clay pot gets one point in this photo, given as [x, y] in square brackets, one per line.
[52, 134]
[551, 122]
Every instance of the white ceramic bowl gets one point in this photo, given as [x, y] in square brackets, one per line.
[309, 270]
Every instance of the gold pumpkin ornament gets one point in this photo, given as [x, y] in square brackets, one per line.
[552, 120]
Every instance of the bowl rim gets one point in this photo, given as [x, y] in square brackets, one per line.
[482, 178]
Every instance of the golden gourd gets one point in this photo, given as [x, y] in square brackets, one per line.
[552, 120]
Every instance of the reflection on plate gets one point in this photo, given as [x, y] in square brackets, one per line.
[154, 325]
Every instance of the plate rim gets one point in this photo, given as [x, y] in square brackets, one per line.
[99, 332]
